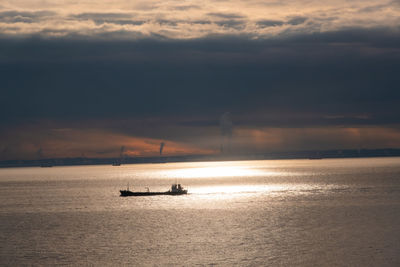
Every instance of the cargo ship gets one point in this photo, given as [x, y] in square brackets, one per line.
[176, 189]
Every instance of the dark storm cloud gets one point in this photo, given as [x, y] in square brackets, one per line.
[346, 77]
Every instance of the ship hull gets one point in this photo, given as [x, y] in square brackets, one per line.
[127, 193]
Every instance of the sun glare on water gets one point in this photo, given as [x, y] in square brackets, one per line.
[233, 189]
[222, 170]
[213, 172]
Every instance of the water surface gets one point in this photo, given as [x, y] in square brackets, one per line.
[272, 212]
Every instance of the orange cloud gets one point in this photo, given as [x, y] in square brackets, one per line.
[25, 141]
[59, 143]
[319, 138]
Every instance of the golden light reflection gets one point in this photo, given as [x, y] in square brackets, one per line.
[222, 169]
[234, 189]
[212, 172]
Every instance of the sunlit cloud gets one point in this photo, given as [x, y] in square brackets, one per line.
[191, 19]
[275, 139]
[95, 139]
[87, 142]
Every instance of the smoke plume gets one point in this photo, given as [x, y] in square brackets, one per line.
[161, 147]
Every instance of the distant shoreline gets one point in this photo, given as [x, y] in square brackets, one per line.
[312, 155]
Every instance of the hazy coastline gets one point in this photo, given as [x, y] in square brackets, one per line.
[347, 153]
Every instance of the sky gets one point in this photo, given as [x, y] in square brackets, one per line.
[83, 78]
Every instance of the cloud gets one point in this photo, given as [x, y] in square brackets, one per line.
[106, 140]
[296, 20]
[274, 23]
[174, 20]
[235, 24]
[168, 22]
[375, 8]
[92, 142]
[186, 7]
[96, 16]
[126, 65]
[346, 73]
[226, 15]
[113, 18]
[25, 16]
[321, 138]
[270, 23]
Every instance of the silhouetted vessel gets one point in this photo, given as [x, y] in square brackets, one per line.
[176, 189]
[116, 164]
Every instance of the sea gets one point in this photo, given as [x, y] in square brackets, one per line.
[329, 212]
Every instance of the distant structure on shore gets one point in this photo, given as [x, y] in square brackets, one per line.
[324, 154]
[121, 155]
[43, 163]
